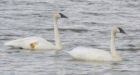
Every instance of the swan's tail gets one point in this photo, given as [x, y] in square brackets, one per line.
[8, 43]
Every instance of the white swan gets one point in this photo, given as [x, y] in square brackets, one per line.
[38, 42]
[91, 54]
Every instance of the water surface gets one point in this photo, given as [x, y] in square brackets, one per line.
[89, 24]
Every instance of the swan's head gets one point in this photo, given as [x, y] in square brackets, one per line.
[118, 30]
[33, 45]
[58, 15]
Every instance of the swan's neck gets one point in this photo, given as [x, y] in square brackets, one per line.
[58, 44]
[114, 53]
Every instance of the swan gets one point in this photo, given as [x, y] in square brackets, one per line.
[38, 42]
[91, 54]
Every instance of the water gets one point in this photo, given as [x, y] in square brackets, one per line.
[89, 24]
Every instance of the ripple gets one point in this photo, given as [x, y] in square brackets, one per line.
[89, 25]
[93, 13]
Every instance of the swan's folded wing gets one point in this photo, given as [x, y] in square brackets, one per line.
[86, 53]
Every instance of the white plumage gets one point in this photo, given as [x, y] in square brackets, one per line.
[38, 42]
[25, 43]
[92, 54]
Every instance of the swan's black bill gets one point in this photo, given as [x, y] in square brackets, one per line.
[122, 31]
[63, 16]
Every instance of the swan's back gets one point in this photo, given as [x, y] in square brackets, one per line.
[25, 43]
[90, 54]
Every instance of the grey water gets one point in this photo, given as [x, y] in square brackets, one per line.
[89, 24]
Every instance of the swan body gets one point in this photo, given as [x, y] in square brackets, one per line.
[91, 54]
[25, 43]
[38, 42]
